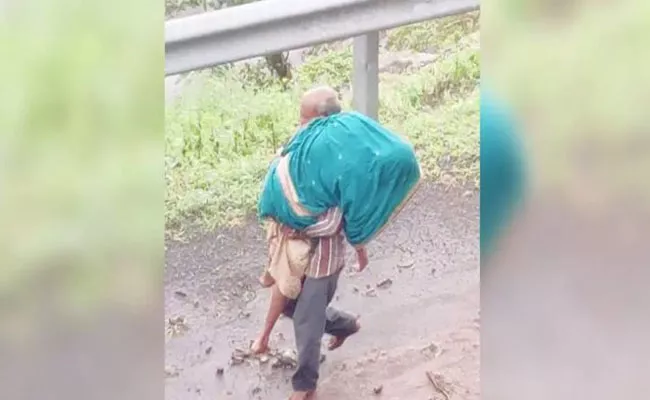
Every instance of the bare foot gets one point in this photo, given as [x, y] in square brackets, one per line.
[337, 341]
[260, 346]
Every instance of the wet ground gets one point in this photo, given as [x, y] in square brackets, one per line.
[423, 318]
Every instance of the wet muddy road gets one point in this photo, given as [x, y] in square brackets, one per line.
[423, 317]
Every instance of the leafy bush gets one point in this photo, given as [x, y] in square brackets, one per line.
[432, 36]
[332, 68]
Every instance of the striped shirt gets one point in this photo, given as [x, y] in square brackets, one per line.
[329, 244]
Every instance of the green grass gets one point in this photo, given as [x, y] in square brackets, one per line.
[219, 143]
[434, 35]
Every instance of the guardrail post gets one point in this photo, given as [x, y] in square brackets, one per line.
[365, 79]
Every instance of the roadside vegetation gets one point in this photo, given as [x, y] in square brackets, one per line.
[221, 136]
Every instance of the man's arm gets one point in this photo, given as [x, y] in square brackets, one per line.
[329, 224]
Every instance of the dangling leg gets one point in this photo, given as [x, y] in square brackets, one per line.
[277, 305]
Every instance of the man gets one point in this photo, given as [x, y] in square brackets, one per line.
[310, 311]
[326, 257]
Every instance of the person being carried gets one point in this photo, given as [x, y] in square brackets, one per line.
[327, 256]
[312, 316]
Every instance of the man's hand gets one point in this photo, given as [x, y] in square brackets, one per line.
[362, 257]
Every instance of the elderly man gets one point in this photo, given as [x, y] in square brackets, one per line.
[312, 316]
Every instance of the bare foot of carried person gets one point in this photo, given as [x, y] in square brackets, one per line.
[260, 346]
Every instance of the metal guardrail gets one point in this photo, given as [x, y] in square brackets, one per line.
[271, 26]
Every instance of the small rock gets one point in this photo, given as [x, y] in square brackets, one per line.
[355, 289]
[322, 358]
[196, 304]
[241, 353]
[256, 390]
[289, 355]
[180, 294]
[208, 350]
[264, 359]
[433, 271]
[219, 371]
[431, 349]
[285, 359]
[378, 389]
[238, 356]
[170, 372]
[177, 326]
[385, 284]
[404, 264]
[245, 314]
[371, 293]
[368, 286]
[239, 350]
[234, 360]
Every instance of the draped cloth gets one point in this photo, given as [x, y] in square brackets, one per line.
[346, 160]
[503, 170]
[288, 259]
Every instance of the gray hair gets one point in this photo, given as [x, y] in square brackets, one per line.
[328, 106]
[325, 99]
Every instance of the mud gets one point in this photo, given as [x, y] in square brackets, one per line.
[418, 301]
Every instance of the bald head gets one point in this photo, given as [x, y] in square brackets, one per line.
[321, 101]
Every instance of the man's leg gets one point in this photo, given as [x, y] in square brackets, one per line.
[312, 318]
[340, 325]
[309, 325]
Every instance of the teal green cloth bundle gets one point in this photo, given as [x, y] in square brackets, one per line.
[346, 160]
[502, 170]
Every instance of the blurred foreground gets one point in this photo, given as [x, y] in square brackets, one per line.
[564, 305]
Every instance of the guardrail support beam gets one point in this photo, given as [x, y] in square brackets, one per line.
[365, 79]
